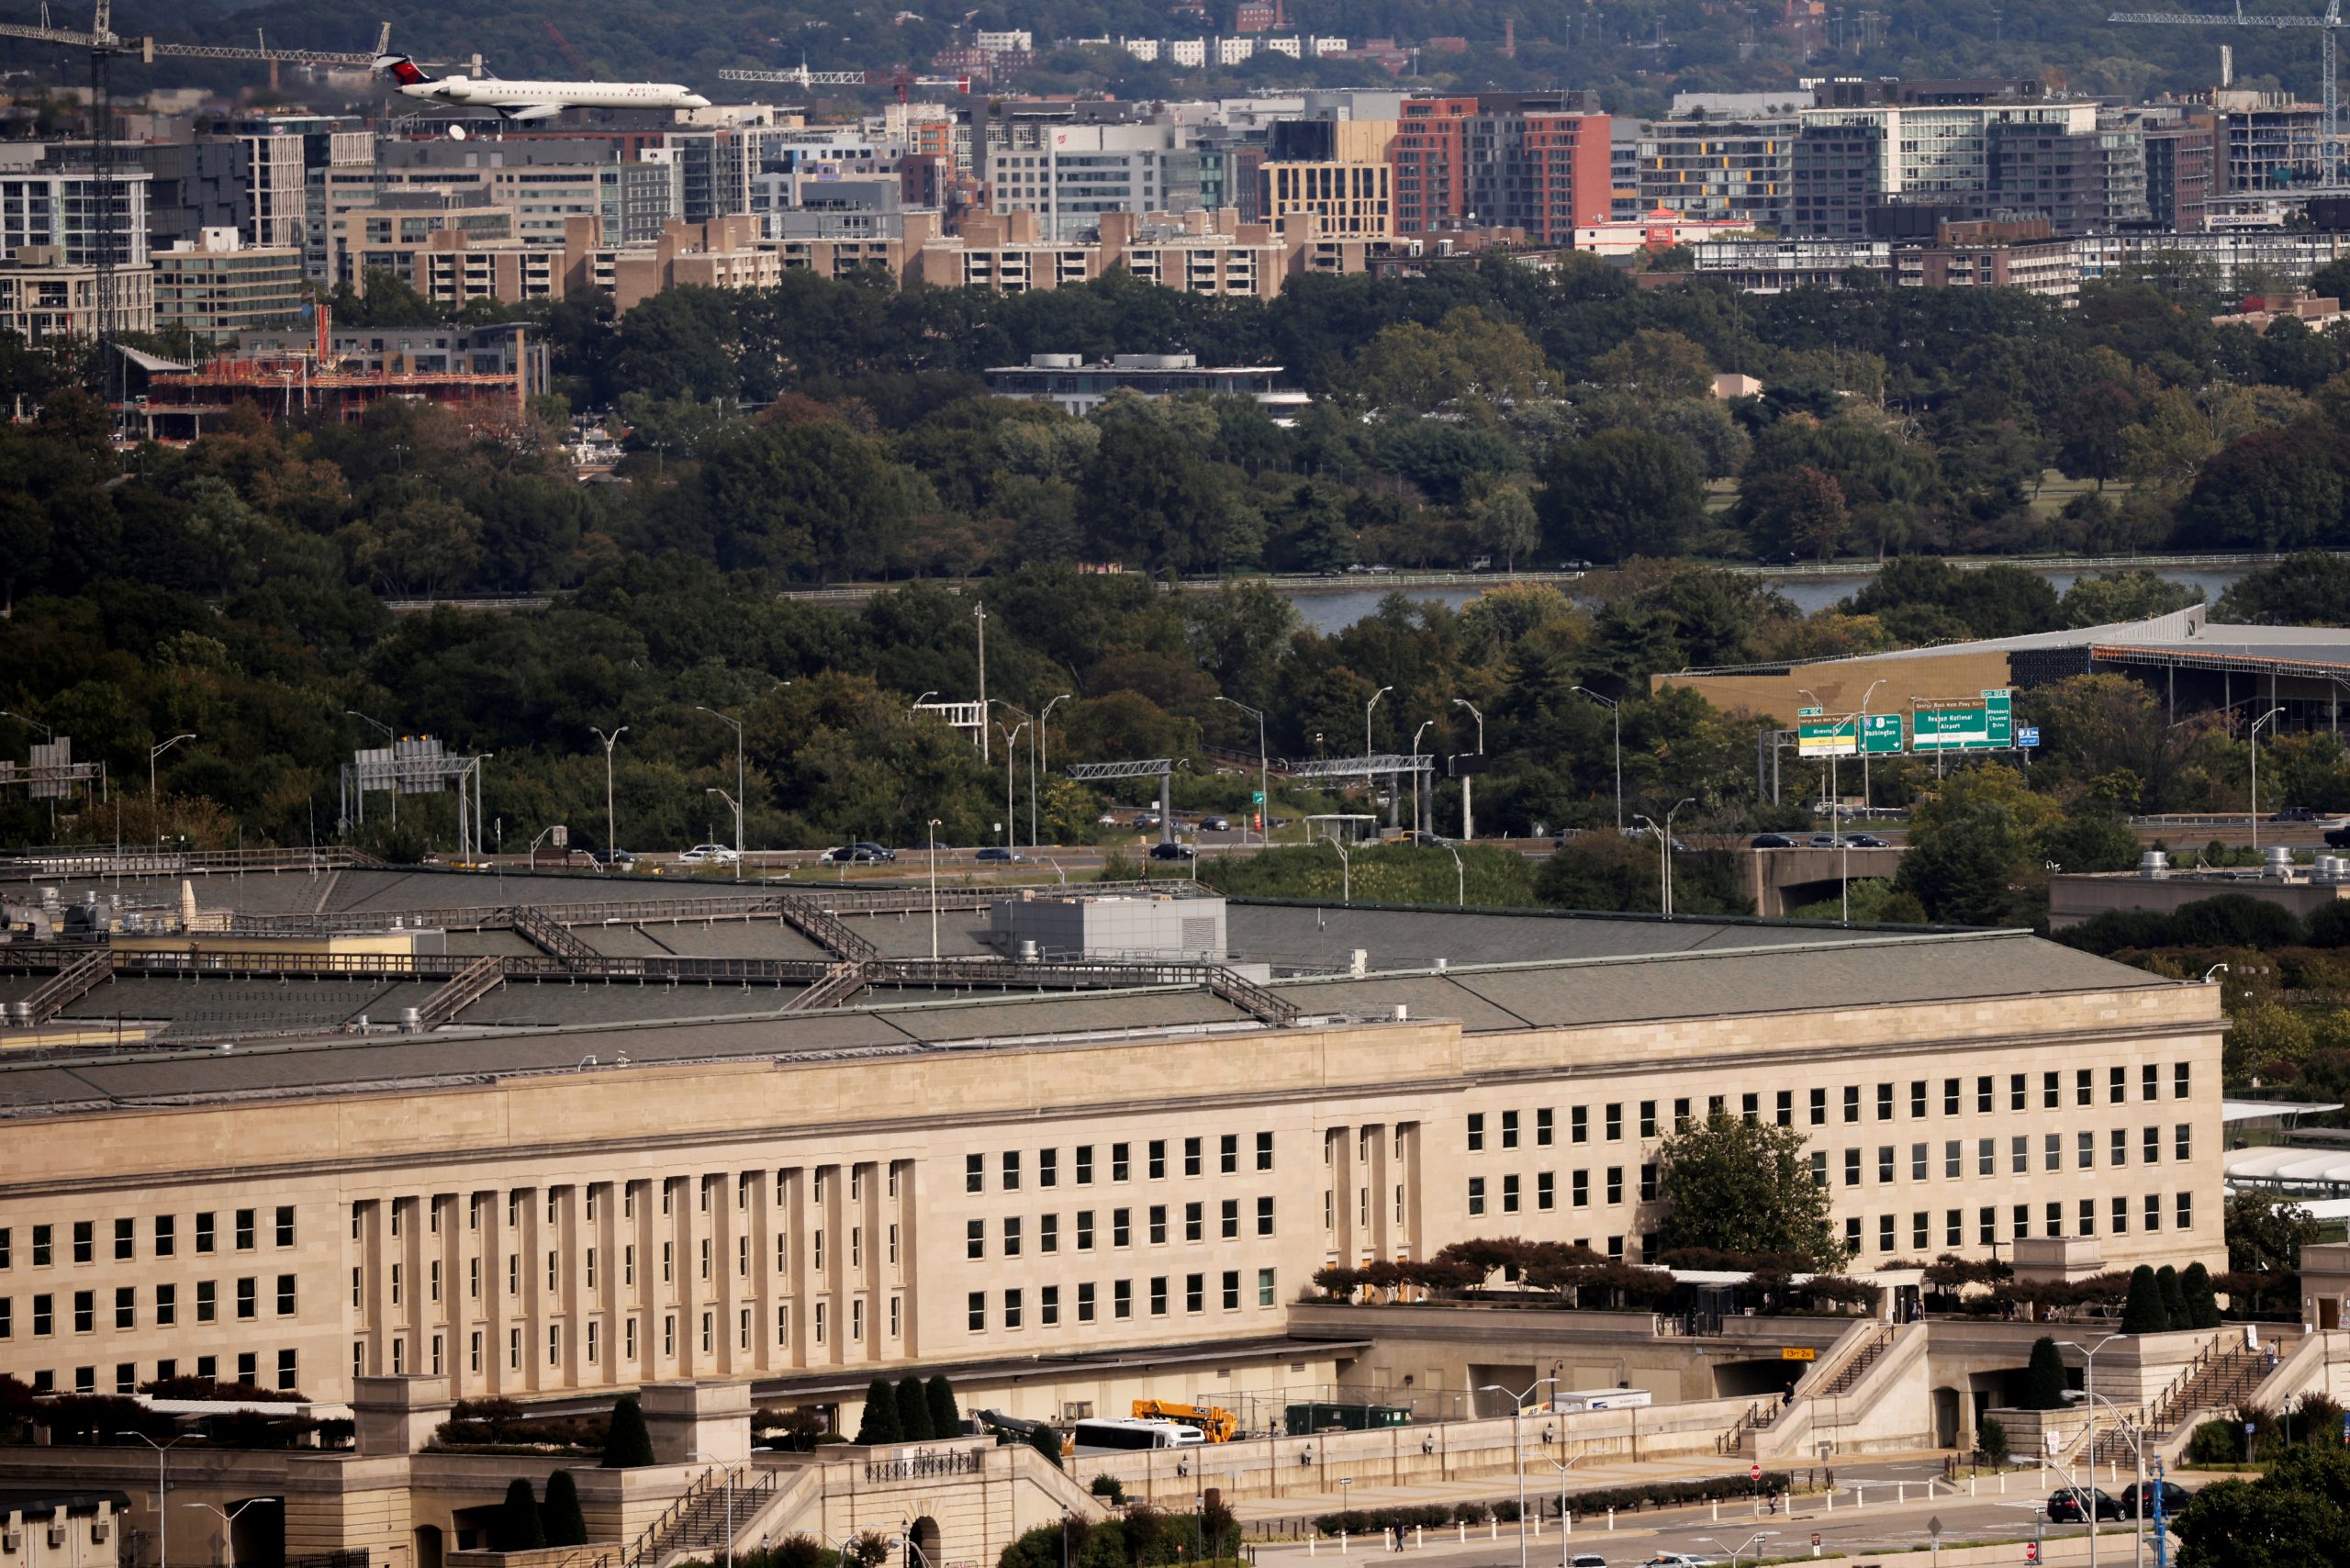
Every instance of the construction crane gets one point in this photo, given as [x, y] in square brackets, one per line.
[1215, 1422]
[803, 77]
[569, 53]
[2331, 173]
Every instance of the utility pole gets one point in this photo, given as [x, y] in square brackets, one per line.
[979, 612]
[611, 843]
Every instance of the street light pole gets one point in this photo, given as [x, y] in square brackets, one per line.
[1468, 809]
[612, 832]
[2138, 1455]
[152, 753]
[697, 1454]
[1369, 780]
[1045, 754]
[2256, 775]
[1010, 745]
[1860, 739]
[1617, 710]
[1264, 773]
[1518, 1442]
[737, 725]
[1419, 823]
[228, 1519]
[163, 1494]
[2089, 1378]
[388, 738]
[934, 889]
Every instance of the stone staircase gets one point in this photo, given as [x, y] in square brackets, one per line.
[698, 1521]
[2221, 1378]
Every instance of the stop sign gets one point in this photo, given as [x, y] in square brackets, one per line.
[1755, 1473]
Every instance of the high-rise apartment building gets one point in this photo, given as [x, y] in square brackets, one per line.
[1338, 171]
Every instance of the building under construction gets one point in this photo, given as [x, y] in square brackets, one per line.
[487, 373]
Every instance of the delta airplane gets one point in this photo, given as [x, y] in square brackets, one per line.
[535, 100]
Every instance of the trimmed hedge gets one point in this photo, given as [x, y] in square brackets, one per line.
[1623, 1499]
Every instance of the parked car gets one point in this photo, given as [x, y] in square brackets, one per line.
[998, 852]
[1586, 1560]
[1215, 824]
[1677, 1559]
[1827, 841]
[1356, 568]
[1866, 841]
[878, 852]
[1145, 819]
[1772, 841]
[2065, 1505]
[2294, 814]
[1107, 819]
[1481, 564]
[2174, 1498]
[1173, 852]
[2338, 837]
[612, 856]
[707, 855]
[854, 855]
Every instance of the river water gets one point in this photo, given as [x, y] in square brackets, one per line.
[1333, 611]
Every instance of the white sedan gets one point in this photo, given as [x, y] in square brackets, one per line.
[707, 855]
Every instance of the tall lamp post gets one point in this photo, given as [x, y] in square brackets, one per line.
[1010, 753]
[1517, 1398]
[736, 807]
[2089, 1377]
[1044, 762]
[1419, 825]
[1617, 710]
[152, 753]
[1665, 852]
[1468, 807]
[2256, 774]
[1346, 868]
[2129, 1430]
[737, 797]
[388, 738]
[228, 1519]
[934, 889]
[612, 833]
[1264, 771]
[1859, 733]
[163, 1494]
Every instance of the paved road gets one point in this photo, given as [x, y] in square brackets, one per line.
[1866, 1517]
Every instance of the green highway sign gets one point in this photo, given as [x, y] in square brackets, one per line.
[1987, 724]
[1880, 734]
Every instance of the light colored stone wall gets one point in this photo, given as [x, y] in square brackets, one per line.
[723, 1214]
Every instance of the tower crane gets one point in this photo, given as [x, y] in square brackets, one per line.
[2331, 171]
[802, 77]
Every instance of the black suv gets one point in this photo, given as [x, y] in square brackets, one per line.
[2065, 1504]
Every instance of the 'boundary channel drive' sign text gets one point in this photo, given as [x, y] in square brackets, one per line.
[1957, 724]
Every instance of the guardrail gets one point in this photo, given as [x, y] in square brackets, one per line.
[72, 861]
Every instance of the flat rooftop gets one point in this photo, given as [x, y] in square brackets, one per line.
[1803, 971]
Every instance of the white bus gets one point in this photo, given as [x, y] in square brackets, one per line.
[1573, 1401]
[1112, 1432]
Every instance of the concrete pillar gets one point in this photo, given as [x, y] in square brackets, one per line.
[397, 1415]
[707, 1418]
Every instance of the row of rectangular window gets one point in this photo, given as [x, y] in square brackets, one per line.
[83, 1236]
[1986, 1217]
[1048, 1227]
[628, 1265]
[1953, 1097]
[1122, 1299]
[1987, 1154]
[126, 1373]
[627, 1198]
[1049, 1168]
[82, 1305]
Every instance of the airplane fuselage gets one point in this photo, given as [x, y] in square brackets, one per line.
[496, 94]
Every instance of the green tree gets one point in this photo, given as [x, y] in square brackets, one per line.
[2266, 1233]
[1734, 1185]
[1620, 494]
[627, 1443]
[2202, 1305]
[565, 1524]
[2090, 429]
[2295, 1516]
[1656, 364]
[1507, 526]
[1973, 844]
[2144, 1312]
[518, 1519]
[1046, 1441]
[2175, 1306]
[1991, 1441]
[913, 1411]
[2312, 589]
[2045, 1379]
[879, 1424]
[946, 1418]
[2111, 597]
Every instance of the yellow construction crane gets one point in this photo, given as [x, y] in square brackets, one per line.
[1215, 1423]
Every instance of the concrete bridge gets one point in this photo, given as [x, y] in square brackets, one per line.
[1779, 879]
